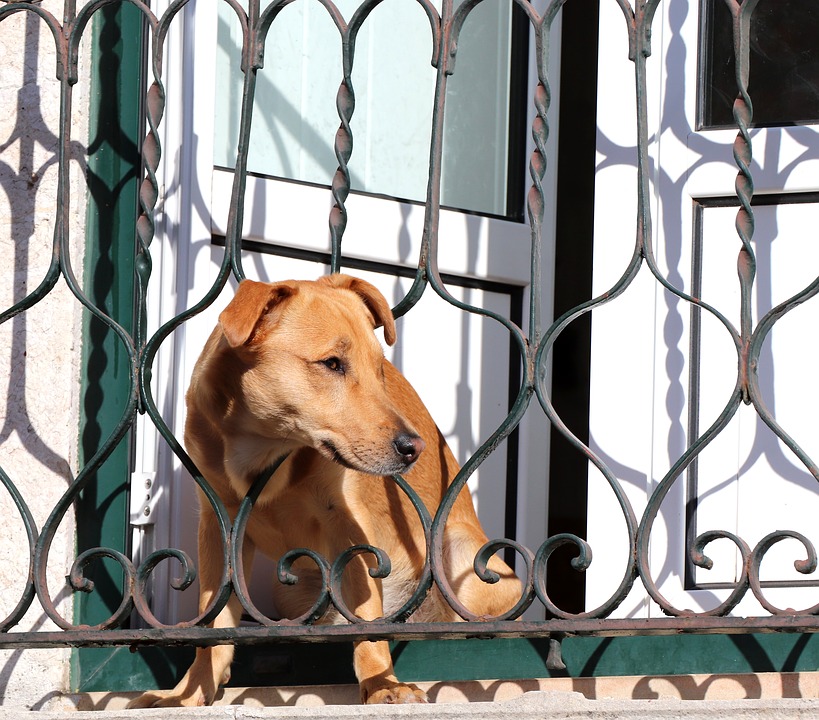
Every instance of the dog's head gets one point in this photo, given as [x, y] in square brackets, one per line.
[313, 371]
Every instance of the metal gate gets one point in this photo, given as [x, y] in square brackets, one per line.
[533, 346]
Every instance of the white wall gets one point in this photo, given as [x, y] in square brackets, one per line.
[39, 349]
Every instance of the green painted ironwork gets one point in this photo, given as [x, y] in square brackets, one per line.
[533, 346]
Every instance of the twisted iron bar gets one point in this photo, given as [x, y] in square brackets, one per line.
[743, 155]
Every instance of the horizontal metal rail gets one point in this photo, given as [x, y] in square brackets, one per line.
[377, 630]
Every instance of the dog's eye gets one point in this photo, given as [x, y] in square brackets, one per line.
[334, 364]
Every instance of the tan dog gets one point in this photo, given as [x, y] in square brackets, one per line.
[295, 367]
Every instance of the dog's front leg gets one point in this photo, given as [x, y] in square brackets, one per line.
[372, 662]
[376, 677]
[211, 667]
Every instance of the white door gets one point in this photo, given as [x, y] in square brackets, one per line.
[460, 363]
[661, 373]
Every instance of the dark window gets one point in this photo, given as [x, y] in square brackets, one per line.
[784, 79]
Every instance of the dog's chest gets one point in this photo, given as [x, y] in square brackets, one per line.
[400, 585]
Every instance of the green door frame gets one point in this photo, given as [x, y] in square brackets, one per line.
[102, 511]
[115, 132]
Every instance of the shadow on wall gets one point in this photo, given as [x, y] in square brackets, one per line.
[39, 423]
[38, 360]
[20, 182]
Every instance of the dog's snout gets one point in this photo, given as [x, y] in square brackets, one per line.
[409, 447]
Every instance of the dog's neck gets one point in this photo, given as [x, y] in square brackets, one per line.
[266, 476]
[247, 457]
[285, 463]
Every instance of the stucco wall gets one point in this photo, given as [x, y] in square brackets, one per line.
[39, 349]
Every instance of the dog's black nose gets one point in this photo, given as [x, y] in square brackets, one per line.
[409, 447]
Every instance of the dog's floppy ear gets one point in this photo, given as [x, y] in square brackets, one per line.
[376, 303]
[253, 300]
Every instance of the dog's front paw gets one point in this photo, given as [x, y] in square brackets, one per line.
[198, 687]
[169, 698]
[402, 693]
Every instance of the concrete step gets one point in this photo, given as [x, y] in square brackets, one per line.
[538, 705]
[762, 696]
[750, 686]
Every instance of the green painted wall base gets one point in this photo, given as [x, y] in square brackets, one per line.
[121, 670]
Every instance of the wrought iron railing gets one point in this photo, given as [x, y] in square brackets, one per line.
[533, 347]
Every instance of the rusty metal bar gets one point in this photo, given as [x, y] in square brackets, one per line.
[577, 627]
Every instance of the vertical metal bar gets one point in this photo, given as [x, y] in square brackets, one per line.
[429, 238]
[251, 61]
[428, 259]
[743, 114]
[536, 200]
[148, 196]
[640, 50]
[343, 147]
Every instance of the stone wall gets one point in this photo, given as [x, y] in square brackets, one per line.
[40, 350]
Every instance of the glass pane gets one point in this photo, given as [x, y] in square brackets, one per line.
[295, 117]
[784, 80]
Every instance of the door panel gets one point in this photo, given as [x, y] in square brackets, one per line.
[770, 488]
[682, 363]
